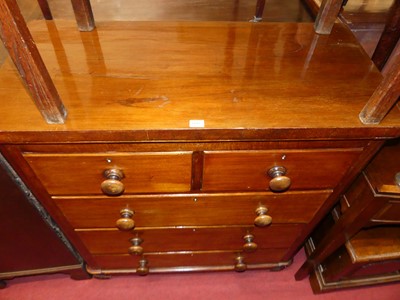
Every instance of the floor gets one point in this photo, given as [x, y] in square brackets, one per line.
[254, 285]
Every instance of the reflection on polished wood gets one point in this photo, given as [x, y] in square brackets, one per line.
[366, 19]
[172, 10]
[283, 75]
[183, 10]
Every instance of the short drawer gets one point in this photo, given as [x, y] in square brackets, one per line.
[382, 170]
[83, 174]
[248, 170]
[190, 239]
[389, 214]
[192, 261]
[361, 191]
[192, 210]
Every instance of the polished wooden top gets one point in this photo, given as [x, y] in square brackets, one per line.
[140, 80]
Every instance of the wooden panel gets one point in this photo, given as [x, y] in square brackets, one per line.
[193, 259]
[196, 209]
[189, 145]
[189, 239]
[78, 174]
[28, 243]
[247, 170]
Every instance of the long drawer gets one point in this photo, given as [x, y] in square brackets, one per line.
[192, 210]
[190, 239]
[248, 170]
[84, 173]
[182, 261]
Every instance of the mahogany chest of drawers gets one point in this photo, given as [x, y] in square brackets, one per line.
[222, 151]
[189, 208]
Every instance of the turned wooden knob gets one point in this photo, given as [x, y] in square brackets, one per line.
[113, 186]
[240, 266]
[125, 222]
[143, 269]
[279, 182]
[136, 249]
[249, 245]
[262, 218]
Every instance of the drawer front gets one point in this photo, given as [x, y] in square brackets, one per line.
[83, 174]
[192, 210]
[361, 191]
[248, 170]
[189, 239]
[389, 214]
[187, 261]
[377, 269]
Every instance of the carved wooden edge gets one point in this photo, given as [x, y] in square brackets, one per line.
[384, 96]
[327, 15]
[25, 55]
[83, 14]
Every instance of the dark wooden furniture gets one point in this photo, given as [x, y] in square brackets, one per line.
[369, 21]
[31, 243]
[188, 146]
[372, 255]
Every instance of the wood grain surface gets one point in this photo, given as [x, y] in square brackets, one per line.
[150, 79]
